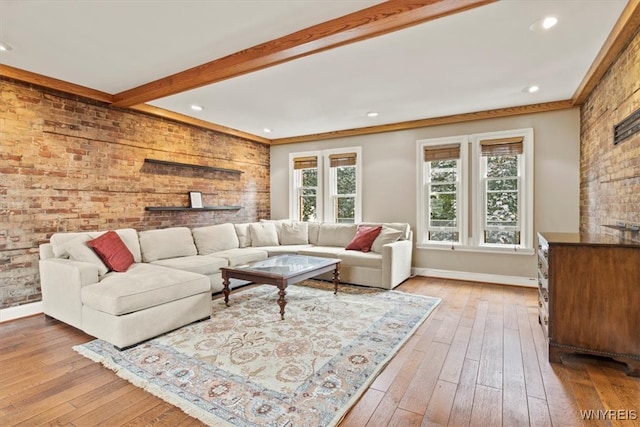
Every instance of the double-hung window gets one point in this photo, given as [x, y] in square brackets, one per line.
[442, 191]
[305, 204]
[326, 186]
[476, 192]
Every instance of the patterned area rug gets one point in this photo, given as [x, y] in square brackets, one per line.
[246, 367]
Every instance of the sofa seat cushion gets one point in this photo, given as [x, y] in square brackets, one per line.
[284, 249]
[196, 264]
[323, 251]
[361, 259]
[241, 255]
[140, 287]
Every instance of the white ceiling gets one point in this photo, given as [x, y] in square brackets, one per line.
[476, 60]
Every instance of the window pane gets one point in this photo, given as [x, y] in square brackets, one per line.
[345, 208]
[502, 208]
[502, 237]
[443, 188]
[501, 166]
[442, 207]
[502, 184]
[443, 175]
[308, 205]
[346, 180]
[444, 236]
[309, 177]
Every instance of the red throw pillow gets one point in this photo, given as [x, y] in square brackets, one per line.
[112, 251]
[363, 239]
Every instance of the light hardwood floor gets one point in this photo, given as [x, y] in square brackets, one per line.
[479, 360]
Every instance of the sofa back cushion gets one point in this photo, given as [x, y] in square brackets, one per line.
[129, 236]
[294, 233]
[263, 234]
[313, 231]
[336, 234]
[215, 238]
[166, 243]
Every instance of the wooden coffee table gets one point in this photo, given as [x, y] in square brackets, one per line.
[281, 271]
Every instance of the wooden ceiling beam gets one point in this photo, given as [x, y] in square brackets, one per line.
[621, 34]
[435, 121]
[374, 21]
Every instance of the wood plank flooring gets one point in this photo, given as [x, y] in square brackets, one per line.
[479, 360]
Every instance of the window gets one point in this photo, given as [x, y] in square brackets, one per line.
[305, 188]
[326, 186]
[442, 190]
[496, 169]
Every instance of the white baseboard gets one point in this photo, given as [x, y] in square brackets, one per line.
[529, 282]
[19, 311]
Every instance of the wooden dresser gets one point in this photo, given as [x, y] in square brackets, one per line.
[589, 296]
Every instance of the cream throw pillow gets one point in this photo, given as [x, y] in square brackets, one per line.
[79, 251]
[263, 234]
[387, 235]
[294, 233]
[242, 230]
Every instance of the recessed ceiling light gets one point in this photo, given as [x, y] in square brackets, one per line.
[544, 24]
[196, 107]
[549, 22]
[531, 89]
[5, 47]
[372, 114]
[267, 130]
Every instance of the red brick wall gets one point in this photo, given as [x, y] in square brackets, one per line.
[610, 175]
[69, 164]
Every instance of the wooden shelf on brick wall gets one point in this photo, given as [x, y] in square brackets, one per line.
[189, 165]
[182, 208]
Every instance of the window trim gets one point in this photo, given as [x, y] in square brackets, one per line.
[329, 176]
[423, 197]
[525, 166]
[471, 206]
[324, 189]
[294, 206]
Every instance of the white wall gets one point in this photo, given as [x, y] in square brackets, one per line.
[389, 182]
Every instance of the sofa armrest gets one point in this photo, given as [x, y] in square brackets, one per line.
[61, 281]
[396, 263]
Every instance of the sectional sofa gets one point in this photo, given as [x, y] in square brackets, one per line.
[175, 271]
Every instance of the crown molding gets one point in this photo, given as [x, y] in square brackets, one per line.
[435, 121]
[51, 83]
[621, 34]
[161, 112]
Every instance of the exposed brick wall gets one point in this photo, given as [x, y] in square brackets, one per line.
[69, 164]
[610, 175]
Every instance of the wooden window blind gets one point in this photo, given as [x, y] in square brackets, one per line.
[342, 159]
[305, 162]
[441, 152]
[502, 146]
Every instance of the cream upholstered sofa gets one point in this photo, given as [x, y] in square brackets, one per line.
[176, 269]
